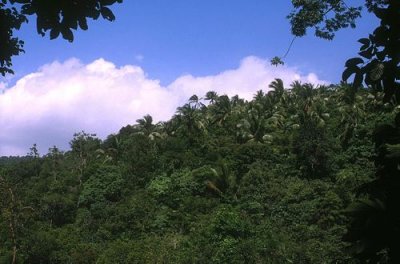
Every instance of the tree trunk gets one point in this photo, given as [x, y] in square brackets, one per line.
[12, 226]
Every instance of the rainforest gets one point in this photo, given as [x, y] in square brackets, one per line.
[224, 181]
[300, 173]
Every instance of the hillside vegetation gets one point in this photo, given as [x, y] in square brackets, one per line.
[224, 181]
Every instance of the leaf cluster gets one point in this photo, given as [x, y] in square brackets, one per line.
[56, 17]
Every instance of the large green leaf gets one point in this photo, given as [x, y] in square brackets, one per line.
[354, 62]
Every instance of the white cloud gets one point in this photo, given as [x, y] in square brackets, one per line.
[46, 107]
[3, 86]
[252, 75]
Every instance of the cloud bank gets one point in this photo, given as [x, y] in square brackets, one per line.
[48, 106]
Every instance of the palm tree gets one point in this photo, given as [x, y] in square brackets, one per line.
[211, 96]
[352, 107]
[219, 179]
[277, 89]
[145, 124]
[220, 110]
[259, 96]
[309, 114]
[190, 120]
[194, 101]
[285, 112]
[146, 127]
[253, 127]
[168, 128]
[110, 150]
[236, 101]
[310, 105]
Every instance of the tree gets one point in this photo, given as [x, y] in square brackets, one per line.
[189, 118]
[220, 180]
[278, 89]
[253, 127]
[325, 17]
[146, 127]
[57, 17]
[211, 96]
[220, 109]
[375, 225]
[374, 228]
[379, 66]
[12, 212]
[83, 147]
[8, 209]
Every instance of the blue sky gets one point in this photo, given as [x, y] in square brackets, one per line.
[170, 38]
[151, 60]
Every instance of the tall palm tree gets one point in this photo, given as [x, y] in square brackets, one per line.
[310, 105]
[211, 96]
[277, 89]
[146, 127]
[236, 101]
[190, 120]
[253, 127]
[259, 96]
[220, 110]
[195, 102]
[352, 107]
[219, 179]
[145, 124]
[285, 112]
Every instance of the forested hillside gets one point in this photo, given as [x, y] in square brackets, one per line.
[224, 181]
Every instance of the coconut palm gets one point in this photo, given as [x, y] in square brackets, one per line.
[219, 179]
[190, 120]
[352, 108]
[211, 96]
[236, 101]
[146, 127]
[220, 110]
[311, 106]
[110, 150]
[195, 102]
[253, 128]
[277, 89]
[259, 96]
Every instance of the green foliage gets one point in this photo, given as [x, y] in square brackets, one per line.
[326, 17]
[276, 61]
[264, 181]
[278, 179]
[311, 149]
[10, 20]
[55, 17]
[374, 229]
[378, 65]
[101, 188]
[138, 153]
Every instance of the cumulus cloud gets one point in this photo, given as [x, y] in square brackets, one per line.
[46, 107]
[252, 75]
[3, 86]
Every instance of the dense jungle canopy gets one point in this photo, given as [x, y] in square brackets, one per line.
[224, 181]
[298, 174]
